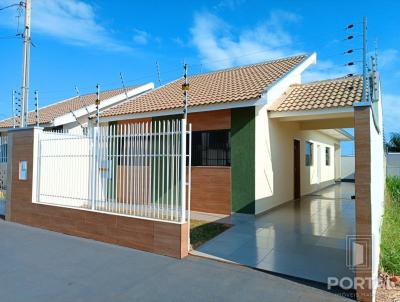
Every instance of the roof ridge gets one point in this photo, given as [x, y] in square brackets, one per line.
[142, 94]
[251, 65]
[74, 97]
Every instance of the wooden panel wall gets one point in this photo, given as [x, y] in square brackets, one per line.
[211, 190]
[211, 186]
[139, 120]
[210, 120]
[362, 145]
[148, 235]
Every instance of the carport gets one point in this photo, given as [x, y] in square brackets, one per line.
[304, 238]
[327, 233]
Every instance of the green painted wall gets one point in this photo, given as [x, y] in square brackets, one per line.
[243, 160]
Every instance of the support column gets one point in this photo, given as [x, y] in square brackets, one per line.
[363, 240]
[22, 150]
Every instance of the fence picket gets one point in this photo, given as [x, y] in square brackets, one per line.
[129, 169]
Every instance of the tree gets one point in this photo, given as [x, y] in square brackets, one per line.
[393, 145]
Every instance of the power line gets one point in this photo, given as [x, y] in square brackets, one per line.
[11, 5]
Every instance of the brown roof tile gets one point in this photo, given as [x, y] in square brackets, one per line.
[49, 113]
[339, 92]
[229, 85]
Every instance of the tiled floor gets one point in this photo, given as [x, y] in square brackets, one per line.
[304, 238]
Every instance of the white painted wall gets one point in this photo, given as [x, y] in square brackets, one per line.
[348, 168]
[274, 161]
[377, 190]
[274, 151]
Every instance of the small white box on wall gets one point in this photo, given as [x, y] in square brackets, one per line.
[23, 170]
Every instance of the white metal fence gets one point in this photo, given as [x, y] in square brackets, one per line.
[133, 169]
[393, 164]
[3, 174]
[3, 167]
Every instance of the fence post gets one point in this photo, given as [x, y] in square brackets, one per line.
[189, 190]
[94, 168]
[183, 170]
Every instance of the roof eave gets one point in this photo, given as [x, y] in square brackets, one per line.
[191, 109]
[107, 103]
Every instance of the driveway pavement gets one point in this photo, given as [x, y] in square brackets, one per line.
[38, 265]
[305, 238]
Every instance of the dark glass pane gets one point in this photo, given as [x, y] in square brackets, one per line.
[211, 148]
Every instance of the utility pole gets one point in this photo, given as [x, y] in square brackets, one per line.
[25, 63]
[365, 66]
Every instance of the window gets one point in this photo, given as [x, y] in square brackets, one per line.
[327, 156]
[211, 148]
[309, 153]
[3, 153]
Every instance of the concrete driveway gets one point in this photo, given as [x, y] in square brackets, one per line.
[38, 265]
[304, 238]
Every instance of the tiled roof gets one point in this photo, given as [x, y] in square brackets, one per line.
[229, 85]
[339, 92]
[49, 113]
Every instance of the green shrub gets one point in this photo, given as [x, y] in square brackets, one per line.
[390, 242]
[393, 188]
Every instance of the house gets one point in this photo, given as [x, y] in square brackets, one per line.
[243, 137]
[72, 114]
[260, 138]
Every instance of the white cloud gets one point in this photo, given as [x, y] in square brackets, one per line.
[72, 21]
[219, 46]
[388, 58]
[324, 70]
[141, 37]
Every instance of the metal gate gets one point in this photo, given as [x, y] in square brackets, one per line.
[138, 170]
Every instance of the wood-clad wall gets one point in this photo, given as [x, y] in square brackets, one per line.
[159, 237]
[211, 186]
[210, 120]
[362, 146]
[211, 190]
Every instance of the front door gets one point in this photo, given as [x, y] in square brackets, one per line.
[296, 168]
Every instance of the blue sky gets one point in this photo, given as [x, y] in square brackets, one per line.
[82, 42]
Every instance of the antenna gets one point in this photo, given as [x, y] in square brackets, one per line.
[123, 84]
[185, 88]
[13, 107]
[76, 119]
[37, 108]
[97, 105]
[158, 73]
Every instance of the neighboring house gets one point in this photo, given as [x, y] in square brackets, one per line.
[73, 114]
[250, 152]
[393, 164]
